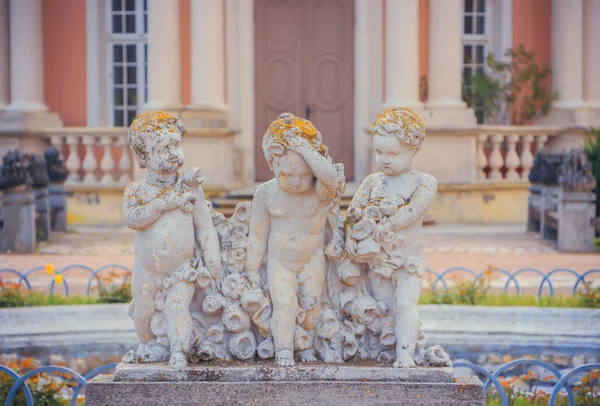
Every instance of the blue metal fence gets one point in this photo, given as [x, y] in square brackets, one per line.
[492, 379]
[439, 278]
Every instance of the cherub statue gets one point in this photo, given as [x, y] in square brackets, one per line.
[383, 227]
[174, 231]
[289, 215]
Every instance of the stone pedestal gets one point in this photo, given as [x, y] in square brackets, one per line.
[18, 221]
[576, 210]
[42, 214]
[57, 201]
[264, 384]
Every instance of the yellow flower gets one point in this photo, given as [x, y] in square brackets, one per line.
[49, 269]
[58, 278]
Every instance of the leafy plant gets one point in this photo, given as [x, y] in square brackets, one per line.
[516, 90]
[47, 390]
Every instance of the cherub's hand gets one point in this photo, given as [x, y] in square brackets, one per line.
[192, 177]
[297, 144]
[176, 199]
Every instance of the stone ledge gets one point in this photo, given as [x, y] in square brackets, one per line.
[102, 390]
[267, 372]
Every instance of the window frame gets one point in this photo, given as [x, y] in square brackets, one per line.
[140, 39]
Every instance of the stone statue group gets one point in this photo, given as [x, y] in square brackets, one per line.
[288, 276]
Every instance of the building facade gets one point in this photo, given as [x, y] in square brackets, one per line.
[76, 72]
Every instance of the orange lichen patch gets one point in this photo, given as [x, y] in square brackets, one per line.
[287, 125]
[401, 122]
[156, 122]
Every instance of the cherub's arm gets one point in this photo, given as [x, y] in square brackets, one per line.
[361, 197]
[206, 235]
[324, 170]
[138, 216]
[418, 205]
[259, 232]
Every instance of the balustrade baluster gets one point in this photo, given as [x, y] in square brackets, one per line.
[496, 162]
[107, 164]
[526, 157]
[73, 162]
[540, 141]
[89, 162]
[482, 161]
[124, 162]
[512, 158]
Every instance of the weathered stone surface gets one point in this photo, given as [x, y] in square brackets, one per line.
[264, 372]
[103, 390]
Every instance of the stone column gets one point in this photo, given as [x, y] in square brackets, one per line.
[445, 66]
[402, 54]
[208, 107]
[4, 55]
[591, 53]
[164, 61]
[567, 52]
[26, 57]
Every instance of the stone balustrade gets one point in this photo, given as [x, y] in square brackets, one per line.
[95, 157]
[505, 153]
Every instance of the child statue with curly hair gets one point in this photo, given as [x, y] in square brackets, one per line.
[173, 227]
[289, 215]
[384, 220]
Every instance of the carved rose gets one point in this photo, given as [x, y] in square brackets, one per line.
[232, 286]
[252, 300]
[215, 334]
[346, 298]
[206, 350]
[262, 318]
[385, 357]
[363, 229]
[388, 333]
[388, 206]
[412, 264]
[373, 212]
[213, 303]
[235, 319]
[300, 315]
[350, 346]
[203, 277]
[301, 340]
[242, 212]
[243, 345]
[329, 326]
[349, 273]
[355, 214]
[266, 349]
[364, 310]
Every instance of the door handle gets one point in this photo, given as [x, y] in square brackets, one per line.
[307, 112]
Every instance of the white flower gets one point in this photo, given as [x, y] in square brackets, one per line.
[363, 229]
[373, 212]
[388, 206]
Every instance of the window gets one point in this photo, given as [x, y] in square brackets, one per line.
[128, 59]
[475, 40]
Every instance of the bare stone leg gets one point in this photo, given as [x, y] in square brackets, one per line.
[283, 286]
[179, 322]
[311, 280]
[406, 300]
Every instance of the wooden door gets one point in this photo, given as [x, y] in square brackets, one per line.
[304, 64]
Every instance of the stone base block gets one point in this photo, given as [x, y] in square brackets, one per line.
[103, 390]
[264, 384]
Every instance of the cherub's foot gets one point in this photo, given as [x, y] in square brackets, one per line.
[178, 361]
[404, 362]
[284, 358]
[307, 355]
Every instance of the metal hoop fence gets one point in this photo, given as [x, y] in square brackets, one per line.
[493, 378]
[440, 279]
